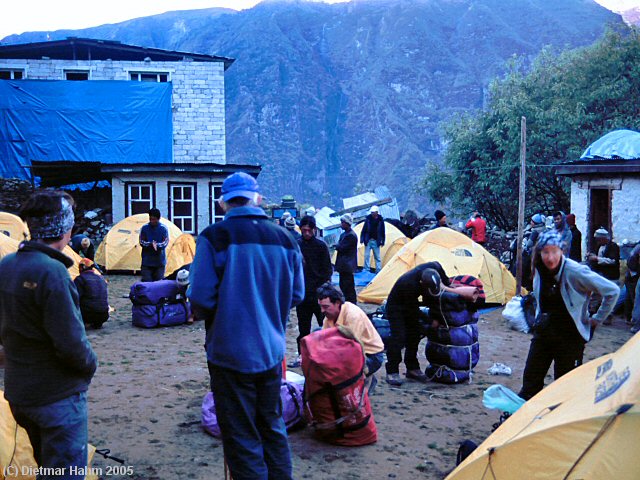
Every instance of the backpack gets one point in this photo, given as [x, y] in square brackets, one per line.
[336, 397]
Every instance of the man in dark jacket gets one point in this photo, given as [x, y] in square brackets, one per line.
[575, 253]
[154, 238]
[561, 226]
[316, 262]
[441, 220]
[403, 312]
[83, 246]
[372, 236]
[347, 258]
[93, 294]
[631, 282]
[49, 361]
[606, 262]
[245, 277]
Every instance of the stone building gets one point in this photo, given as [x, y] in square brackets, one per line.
[172, 156]
[605, 187]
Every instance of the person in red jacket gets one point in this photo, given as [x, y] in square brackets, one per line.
[478, 228]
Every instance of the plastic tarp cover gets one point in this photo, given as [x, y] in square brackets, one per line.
[624, 144]
[106, 121]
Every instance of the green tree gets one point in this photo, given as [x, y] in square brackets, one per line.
[569, 99]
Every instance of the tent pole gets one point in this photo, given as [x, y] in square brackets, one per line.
[521, 198]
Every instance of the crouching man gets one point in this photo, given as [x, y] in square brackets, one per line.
[338, 312]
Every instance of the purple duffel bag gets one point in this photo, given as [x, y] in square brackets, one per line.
[162, 315]
[464, 335]
[444, 374]
[292, 405]
[453, 356]
[153, 293]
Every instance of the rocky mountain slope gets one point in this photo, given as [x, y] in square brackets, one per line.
[335, 99]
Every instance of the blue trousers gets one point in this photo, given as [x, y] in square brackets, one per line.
[249, 412]
[372, 245]
[59, 434]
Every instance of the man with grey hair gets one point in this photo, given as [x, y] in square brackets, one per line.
[49, 361]
[245, 277]
[347, 258]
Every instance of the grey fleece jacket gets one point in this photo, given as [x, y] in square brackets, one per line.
[577, 282]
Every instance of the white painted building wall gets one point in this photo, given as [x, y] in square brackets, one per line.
[625, 206]
[162, 200]
[197, 99]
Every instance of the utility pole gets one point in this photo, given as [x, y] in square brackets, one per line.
[521, 197]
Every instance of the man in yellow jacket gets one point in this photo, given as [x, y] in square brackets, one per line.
[337, 312]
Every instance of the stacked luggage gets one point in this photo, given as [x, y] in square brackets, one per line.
[452, 348]
[158, 304]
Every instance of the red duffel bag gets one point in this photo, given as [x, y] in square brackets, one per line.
[336, 397]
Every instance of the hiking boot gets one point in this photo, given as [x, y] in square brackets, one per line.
[634, 329]
[417, 375]
[394, 379]
[295, 363]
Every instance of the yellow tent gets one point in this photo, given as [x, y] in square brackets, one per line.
[13, 226]
[16, 454]
[457, 254]
[394, 241]
[583, 426]
[180, 253]
[121, 250]
[9, 245]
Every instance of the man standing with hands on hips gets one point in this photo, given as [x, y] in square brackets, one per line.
[245, 277]
[49, 361]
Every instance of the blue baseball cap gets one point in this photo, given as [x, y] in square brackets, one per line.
[239, 184]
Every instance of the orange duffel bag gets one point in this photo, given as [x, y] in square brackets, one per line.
[336, 397]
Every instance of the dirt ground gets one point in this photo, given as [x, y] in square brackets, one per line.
[145, 404]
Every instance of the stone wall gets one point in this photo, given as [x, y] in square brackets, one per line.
[197, 100]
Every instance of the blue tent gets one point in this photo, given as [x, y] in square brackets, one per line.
[619, 144]
[86, 121]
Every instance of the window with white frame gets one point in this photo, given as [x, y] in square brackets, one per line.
[140, 197]
[216, 212]
[182, 206]
[76, 74]
[159, 77]
[11, 74]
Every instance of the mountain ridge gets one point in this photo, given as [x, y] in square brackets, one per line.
[335, 99]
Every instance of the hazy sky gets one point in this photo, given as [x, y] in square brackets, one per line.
[18, 16]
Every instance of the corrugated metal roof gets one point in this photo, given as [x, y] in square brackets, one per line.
[324, 220]
[387, 210]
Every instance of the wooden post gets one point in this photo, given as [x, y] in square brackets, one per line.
[521, 197]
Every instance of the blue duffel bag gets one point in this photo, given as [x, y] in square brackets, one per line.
[464, 335]
[381, 324]
[453, 356]
[154, 293]
[161, 315]
[444, 374]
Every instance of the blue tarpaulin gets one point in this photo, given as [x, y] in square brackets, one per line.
[98, 121]
[619, 144]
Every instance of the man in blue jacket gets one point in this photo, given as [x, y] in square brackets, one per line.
[49, 361]
[245, 277]
[372, 236]
[154, 238]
